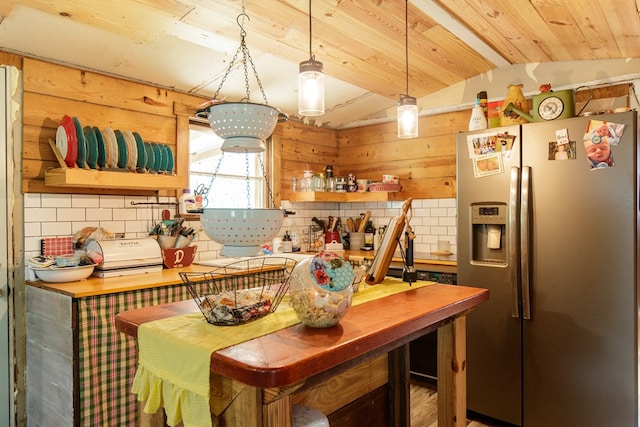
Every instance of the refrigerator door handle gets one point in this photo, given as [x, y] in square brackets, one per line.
[525, 228]
[514, 192]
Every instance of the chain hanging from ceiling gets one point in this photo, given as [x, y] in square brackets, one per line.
[246, 61]
[244, 126]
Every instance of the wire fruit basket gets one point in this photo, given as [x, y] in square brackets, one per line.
[240, 291]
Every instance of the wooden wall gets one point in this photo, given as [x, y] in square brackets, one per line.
[51, 91]
[426, 165]
[298, 147]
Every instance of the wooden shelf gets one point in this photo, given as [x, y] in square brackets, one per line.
[189, 216]
[75, 177]
[324, 196]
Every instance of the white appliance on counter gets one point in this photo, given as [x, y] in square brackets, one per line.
[123, 257]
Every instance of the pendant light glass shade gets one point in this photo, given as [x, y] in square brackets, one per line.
[408, 105]
[310, 83]
[407, 117]
[311, 88]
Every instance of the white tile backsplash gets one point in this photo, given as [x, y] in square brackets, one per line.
[54, 215]
[57, 201]
[70, 214]
[100, 214]
[56, 228]
[84, 201]
[40, 214]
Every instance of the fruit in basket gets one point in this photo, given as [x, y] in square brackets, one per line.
[237, 306]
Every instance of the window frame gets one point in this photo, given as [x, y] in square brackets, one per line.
[260, 175]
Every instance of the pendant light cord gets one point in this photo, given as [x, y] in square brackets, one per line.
[310, 53]
[406, 43]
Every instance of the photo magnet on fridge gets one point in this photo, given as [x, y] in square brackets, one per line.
[599, 137]
[488, 164]
[566, 151]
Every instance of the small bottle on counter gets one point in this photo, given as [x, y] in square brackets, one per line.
[287, 243]
[295, 242]
[369, 233]
[198, 202]
[376, 240]
[186, 203]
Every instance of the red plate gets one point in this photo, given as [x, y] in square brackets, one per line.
[72, 145]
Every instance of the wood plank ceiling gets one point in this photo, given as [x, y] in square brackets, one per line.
[360, 42]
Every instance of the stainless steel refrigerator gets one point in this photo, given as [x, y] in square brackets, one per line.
[554, 237]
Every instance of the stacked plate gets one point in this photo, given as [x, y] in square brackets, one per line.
[89, 147]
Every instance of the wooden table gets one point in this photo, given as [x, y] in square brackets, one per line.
[270, 368]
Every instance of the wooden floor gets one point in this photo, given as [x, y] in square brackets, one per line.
[424, 409]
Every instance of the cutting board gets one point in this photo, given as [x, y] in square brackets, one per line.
[380, 265]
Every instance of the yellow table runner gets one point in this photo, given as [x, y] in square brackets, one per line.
[176, 351]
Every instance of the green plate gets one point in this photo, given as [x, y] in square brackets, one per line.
[171, 162]
[157, 152]
[142, 153]
[164, 148]
[102, 153]
[92, 147]
[151, 157]
[123, 158]
[82, 144]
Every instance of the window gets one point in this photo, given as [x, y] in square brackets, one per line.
[239, 181]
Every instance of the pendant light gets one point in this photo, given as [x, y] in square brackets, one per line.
[310, 83]
[407, 105]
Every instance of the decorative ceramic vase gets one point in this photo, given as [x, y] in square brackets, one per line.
[321, 289]
[516, 97]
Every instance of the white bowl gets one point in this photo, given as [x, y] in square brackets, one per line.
[64, 274]
[241, 231]
[243, 125]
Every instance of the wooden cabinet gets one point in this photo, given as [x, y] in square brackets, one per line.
[79, 367]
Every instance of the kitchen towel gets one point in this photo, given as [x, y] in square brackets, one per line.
[54, 246]
[175, 354]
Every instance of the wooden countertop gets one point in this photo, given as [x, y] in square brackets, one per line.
[101, 286]
[418, 258]
[167, 277]
[298, 352]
